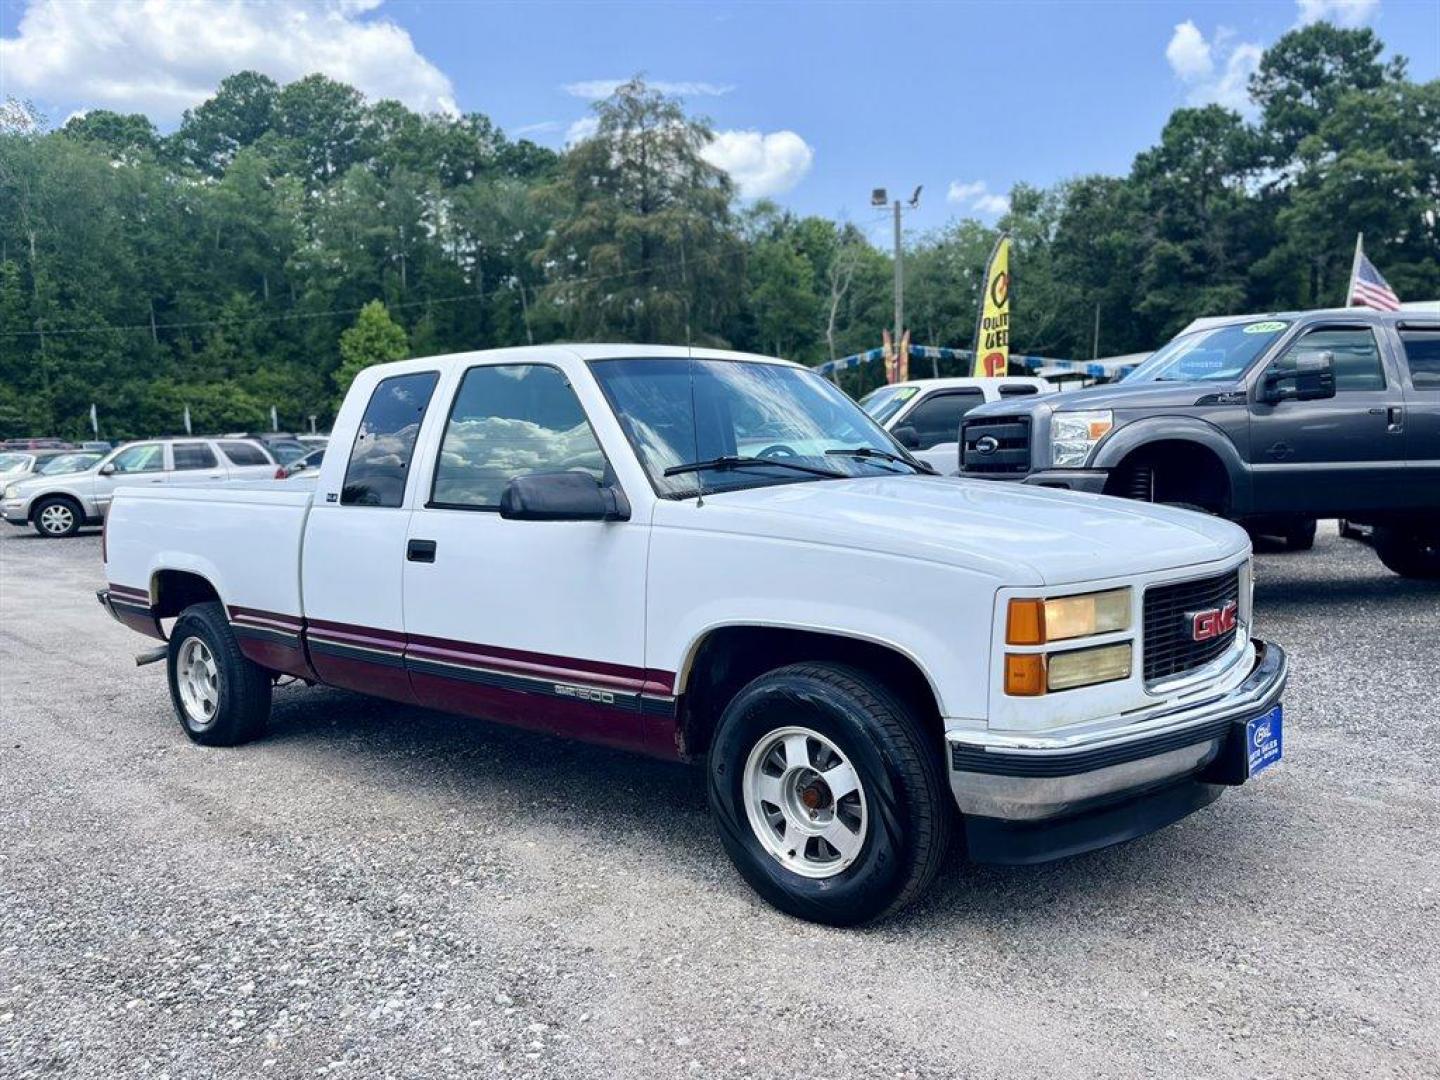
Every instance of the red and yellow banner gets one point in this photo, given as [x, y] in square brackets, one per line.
[992, 338]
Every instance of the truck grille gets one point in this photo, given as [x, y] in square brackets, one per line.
[1170, 647]
[1006, 445]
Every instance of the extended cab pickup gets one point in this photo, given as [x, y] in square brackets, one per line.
[717, 557]
[1269, 420]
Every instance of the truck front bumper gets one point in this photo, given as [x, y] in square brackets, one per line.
[1088, 480]
[1033, 797]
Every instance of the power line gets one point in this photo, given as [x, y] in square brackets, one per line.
[296, 316]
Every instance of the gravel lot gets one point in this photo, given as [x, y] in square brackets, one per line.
[380, 891]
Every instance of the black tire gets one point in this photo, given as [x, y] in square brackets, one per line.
[910, 815]
[1300, 536]
[64, 517]
[242, 687]
[1410, 553]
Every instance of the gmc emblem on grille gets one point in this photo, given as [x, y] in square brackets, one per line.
[1211, 623]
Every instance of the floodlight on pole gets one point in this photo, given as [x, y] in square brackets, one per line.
[879, 197]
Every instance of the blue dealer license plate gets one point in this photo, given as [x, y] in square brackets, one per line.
[1264, 737]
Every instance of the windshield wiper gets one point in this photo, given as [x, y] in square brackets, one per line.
[725, 463]
[882, 455]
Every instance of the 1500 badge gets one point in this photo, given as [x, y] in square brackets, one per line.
[584, 693]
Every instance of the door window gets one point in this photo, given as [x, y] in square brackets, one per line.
[244, 453]
[147, 457]
[1357, 357]
[1422, 354]
[511, 420]
[380, 458]
[937, 419]
[193, 455]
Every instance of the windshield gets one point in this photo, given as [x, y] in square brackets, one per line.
[1220, 354]
[677, 411]
[14, 462]
[68, 463]
[884, 403]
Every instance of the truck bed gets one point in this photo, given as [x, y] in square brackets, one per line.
[244, 538]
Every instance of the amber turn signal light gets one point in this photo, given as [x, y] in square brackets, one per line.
[1025, 624]
[1024, 674]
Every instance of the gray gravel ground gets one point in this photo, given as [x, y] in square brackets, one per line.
[376, 891]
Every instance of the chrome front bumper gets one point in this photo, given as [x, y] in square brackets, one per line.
[1034, 778]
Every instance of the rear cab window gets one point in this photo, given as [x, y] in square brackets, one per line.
[1422, 356]
[385, 443]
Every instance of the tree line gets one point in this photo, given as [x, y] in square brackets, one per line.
[218, 266]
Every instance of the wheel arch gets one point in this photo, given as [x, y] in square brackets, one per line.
[1179, 434]
[172, 590]
[724, 658]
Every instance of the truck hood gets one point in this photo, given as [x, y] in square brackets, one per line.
[1008, 531]
[1148, 395]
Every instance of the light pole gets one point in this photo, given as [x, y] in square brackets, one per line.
[879, 197]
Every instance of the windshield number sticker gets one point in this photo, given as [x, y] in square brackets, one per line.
[1265, 327]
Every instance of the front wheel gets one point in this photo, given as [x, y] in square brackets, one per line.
[220, 697]
[828, 795]
[1409, 553]
[56, 517]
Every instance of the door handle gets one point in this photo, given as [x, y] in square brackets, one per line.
[420, 551]
[1395, 418]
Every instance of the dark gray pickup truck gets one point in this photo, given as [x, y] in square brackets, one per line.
[1268, 420]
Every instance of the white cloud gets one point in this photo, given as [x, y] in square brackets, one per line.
[164, 56]
[543, 127]
[761, 164]
[595, 89]
[976, 195]
[1216, 71]
[1349, 13]
[581, 129]
[1189, 52]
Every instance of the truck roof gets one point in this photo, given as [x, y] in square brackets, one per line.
[577, 351]
[1366, 314]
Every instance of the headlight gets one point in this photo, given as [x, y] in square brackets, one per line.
[12, 491]
[1035, 622]
[1041, 621]
[1074, 434]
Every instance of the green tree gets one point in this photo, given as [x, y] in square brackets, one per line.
[374, 339]
[643, 247]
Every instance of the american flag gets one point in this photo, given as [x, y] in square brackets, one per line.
[1369, 289]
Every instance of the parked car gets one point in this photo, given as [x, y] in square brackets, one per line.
[718, 557]
[305, 466]
[1269, 420]
[23, 464]
[100, 445]
[69, 461]
[283, 447]
[59, 505]
[43, 442]
[313, 440]
[924, 415]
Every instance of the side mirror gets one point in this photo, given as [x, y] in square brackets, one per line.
[108, 469]
[562, 496]
[1312, 378]
[907, 437]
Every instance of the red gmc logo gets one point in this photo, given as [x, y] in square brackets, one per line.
[1213, 623]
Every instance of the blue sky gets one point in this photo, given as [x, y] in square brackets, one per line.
[817, 102]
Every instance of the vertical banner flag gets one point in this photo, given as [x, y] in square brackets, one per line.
[992, 337]
[902, 359]
[94, 420]
[187, 421]
[887, 348]
[274, 420]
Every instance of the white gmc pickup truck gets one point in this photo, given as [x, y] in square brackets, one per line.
[718, 557]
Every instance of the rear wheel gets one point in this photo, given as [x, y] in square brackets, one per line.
[220, 697]
[57, 516]
[1411, 553]
[828, 795]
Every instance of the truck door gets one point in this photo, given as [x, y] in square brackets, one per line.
[935, 424]
[1334, 455]
[195, 462]
[352, 567]
[539, 623]
[1420, 343]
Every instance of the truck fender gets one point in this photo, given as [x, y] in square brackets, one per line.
[1133, 436]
